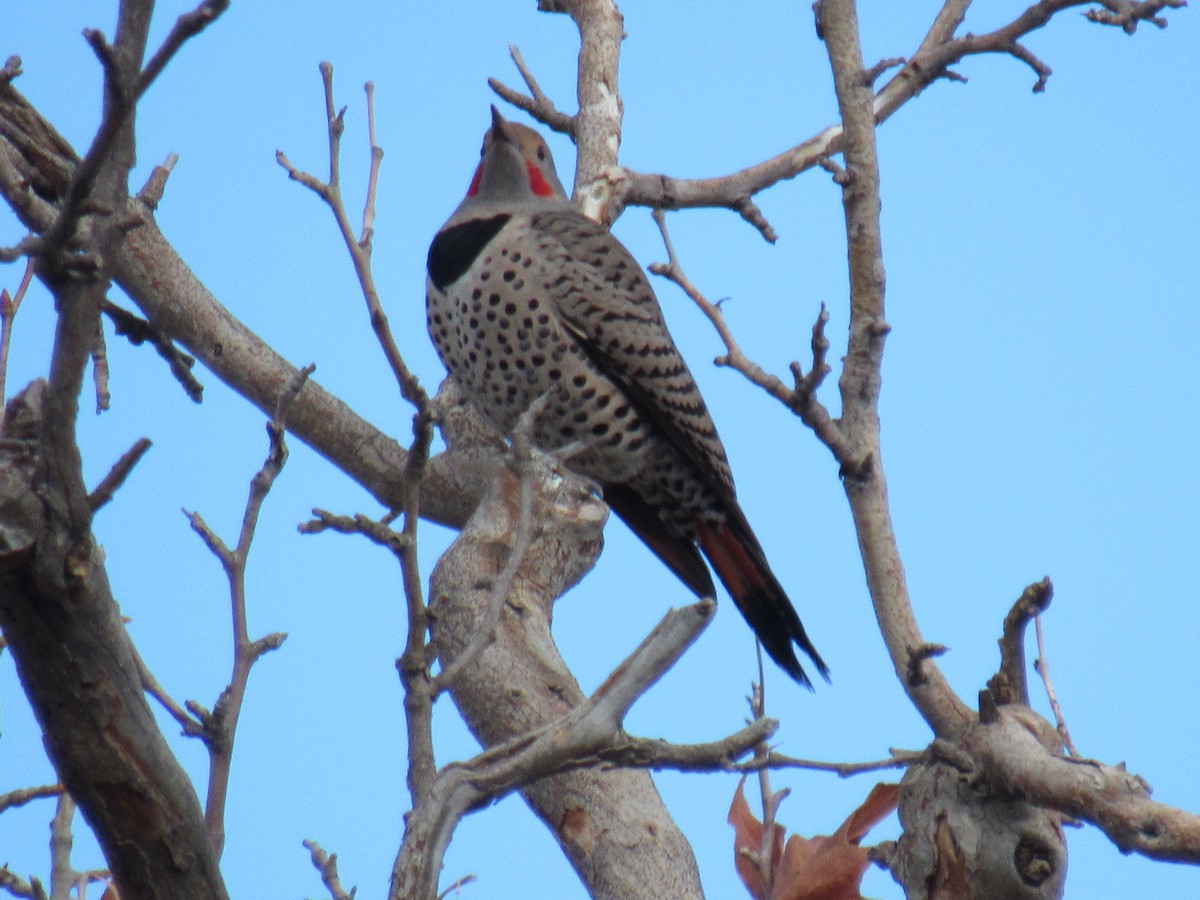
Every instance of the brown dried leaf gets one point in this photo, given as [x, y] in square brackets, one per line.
[748, 841]
[831, 867]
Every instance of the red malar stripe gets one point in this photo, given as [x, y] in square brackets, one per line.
[537, 182]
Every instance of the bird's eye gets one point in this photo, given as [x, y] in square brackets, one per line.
[541, 152]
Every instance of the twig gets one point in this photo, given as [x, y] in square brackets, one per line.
[938, 51]
[525, 527]
[116, 476]
[1126, 15]
[377, 532]
[152, 191]
[9, 304]
[457, 886]
[359, 248]
[124, 85]
[20, 796]
[62, 875]
[192, 727]
[220, 727]
[186, 26]
[415, 662]
[11, 69]
[801, 398]
[14, 883]
[1033, 600]
[30, 246]
[138, 331]
[537, 104]
[872, 74]
[368, 226]
[771, 801]
[561, 746]
[1042, 665]
[100, 368]
[326, 864]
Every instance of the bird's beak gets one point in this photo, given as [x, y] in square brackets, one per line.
[500, 129]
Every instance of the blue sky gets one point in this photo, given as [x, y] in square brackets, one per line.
[1039, 403]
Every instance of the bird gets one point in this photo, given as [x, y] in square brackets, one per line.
[527, 298]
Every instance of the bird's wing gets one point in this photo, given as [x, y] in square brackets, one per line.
[606, 304]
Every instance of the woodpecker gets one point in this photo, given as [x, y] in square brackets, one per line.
[527, 297]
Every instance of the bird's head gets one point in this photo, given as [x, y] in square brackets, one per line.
[515, 168]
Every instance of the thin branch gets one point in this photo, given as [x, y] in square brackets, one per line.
[522, 451]
[1012, 759]
[21, 796]
[62, 874]
[416, 660]
[771, 800]
[937, 52]
[414, 663]
[192, 727]
[15, 884]
[100, 368]
[9, 304]
[1127, 15]
[537, 104]
[865, 482]
[326, 864]
[377, 532]
[116, 476]
[360, 250]
[11, 69]
[368, 226]
[1033, 600]
[1042, 665]
[220, 727]
[30, 246]
[457, 886]
[802, 397]
[152, 191]
[138, 331]
[186, 26]
[558, 747]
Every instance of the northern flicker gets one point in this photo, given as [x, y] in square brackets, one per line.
[528, 297]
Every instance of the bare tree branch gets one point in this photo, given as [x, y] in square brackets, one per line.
[537, 104]
[326, 864]
[938, 51]
[9, 304]
[865, 484]
[359, 248]
[1013, 760]
[116, 476]
[596, 127]
[181, 309]
[1033, 600]
[559, 747]
[1043, 669]
[1127, 14]
[56, 609]
[138, 331]
[802, 397]
[220, 727]
[21, 796]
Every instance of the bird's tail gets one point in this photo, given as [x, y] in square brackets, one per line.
[739, 561]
